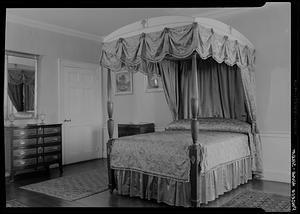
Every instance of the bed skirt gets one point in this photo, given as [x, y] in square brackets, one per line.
[213, 183]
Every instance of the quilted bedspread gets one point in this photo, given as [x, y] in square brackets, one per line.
[165, 154]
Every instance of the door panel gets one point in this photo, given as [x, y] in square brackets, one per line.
[81, 111]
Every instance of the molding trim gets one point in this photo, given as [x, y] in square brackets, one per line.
[53, 28]
[223, 12]
[276, 176]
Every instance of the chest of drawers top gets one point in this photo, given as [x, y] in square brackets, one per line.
[33, 131]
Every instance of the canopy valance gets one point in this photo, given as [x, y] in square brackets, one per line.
[141, 48]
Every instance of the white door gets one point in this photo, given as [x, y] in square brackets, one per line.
[80, 111]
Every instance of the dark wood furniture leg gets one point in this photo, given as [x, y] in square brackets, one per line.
[60, 167]
[12, 176]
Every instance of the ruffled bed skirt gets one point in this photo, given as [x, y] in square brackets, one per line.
[213, 183]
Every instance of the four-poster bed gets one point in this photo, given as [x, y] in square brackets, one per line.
[202, 153]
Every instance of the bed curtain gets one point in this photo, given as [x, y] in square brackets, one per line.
[220, 89]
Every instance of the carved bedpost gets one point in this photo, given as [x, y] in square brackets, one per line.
[110, 128]
[194, 149]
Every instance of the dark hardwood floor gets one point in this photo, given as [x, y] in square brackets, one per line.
[106, 199]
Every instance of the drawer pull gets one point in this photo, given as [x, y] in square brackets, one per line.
[22, 142]
[22, 162]
[40, 150]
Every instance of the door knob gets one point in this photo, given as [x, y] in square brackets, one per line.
[65, 120]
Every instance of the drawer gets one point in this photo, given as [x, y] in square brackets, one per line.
[24, 142]
[50, 158]
[22, 152]
[24, 162]
[52, 139]
[17, 133]
[51, 149]
[51, 130]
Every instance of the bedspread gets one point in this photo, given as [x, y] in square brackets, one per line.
[165, 154]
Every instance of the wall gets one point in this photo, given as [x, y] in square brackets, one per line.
[269, 29]
[51, 46]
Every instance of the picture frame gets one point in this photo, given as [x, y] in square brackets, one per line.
[123, 83]
[149, 84]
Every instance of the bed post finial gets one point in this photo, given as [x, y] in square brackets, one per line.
[194, 149]
[110, 129]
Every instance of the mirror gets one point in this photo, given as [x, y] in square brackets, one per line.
[20, 85]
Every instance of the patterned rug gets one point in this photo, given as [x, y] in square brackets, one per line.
[14, 203]
[267, 201]
[72, 187]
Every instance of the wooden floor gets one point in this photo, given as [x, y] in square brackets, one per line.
[105, 199]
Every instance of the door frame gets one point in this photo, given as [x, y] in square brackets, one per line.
[64, 62]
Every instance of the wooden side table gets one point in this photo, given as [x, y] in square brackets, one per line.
[133, 129]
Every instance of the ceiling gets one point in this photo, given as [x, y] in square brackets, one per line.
[99, 22]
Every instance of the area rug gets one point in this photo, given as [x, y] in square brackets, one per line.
[72, 187]
[14, 203]
[257, 199]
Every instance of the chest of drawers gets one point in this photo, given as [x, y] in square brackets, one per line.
[33, 147]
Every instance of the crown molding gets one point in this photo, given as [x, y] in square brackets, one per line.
[53, 28]
[223, 12]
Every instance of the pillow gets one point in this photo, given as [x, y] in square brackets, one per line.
[212, 124]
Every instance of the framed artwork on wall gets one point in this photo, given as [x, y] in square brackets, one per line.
[123, 83]
[153, 84]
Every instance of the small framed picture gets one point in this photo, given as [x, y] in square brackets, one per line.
[123, 83]
[153, 84]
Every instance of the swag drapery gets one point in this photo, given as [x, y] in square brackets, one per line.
[222, 59]
[21, 89]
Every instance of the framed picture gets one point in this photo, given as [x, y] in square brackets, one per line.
[123, 83]
[153, 84]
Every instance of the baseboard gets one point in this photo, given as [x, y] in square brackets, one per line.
[276, 176]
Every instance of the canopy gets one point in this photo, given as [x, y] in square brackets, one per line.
[152, 40]
[145, 45]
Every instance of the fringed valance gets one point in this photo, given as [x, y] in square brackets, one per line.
[135, 53]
